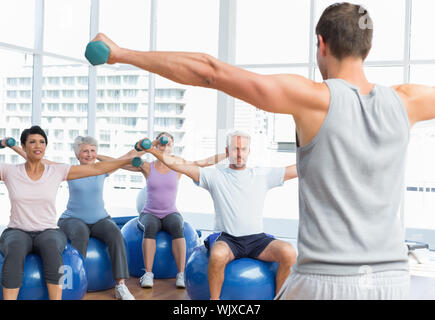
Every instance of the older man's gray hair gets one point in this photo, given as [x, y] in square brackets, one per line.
[84, 140]
[238, 133]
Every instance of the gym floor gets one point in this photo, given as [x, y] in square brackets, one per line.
[164, 289]
[422, 288]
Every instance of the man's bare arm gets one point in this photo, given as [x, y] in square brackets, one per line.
[419, 101]
[287, 94]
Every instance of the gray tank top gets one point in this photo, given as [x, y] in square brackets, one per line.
[351, 179]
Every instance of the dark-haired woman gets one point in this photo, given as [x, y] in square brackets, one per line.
[85, 215]
[32, 188]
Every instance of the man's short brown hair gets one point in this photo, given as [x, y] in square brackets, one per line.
[347, 29]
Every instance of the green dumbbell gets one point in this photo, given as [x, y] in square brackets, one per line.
[145, 145]
[136, 162]
[164, 140]
[10, 142]
[97, 52]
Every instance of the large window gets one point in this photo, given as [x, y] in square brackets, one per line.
[17, 20]
[121, 120]
[422, 21]
[126, 22]
[62, 110]
[66, 27]
[46, 80]
[271, 31]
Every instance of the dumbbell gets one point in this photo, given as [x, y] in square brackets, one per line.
[145, 145]
[136, 162]
[164, 140]
[97, 52]
[10, 142]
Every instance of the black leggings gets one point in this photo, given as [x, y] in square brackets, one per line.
[16, 244]
[105, 230]
[172, 224]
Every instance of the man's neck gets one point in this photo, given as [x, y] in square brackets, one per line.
[350, 70]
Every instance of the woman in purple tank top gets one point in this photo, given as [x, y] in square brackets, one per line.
[160, 212]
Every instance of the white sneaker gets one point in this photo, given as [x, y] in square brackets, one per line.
[147, 280]
[179, 283]
[121, 292]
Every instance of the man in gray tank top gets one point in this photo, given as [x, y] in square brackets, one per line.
[352, 143]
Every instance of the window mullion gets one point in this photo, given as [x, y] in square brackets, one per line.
[92, 72]
[38, 62]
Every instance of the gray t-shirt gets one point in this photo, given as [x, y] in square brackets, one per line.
[351, 179]
[238, 196]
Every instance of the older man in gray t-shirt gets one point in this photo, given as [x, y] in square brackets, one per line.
[238, 194]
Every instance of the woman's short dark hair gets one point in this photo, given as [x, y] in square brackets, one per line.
[32, 130]
[347, 29]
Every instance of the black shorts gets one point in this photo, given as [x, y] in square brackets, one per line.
[242, 247]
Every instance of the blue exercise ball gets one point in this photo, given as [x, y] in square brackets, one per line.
[164, 266]
[74, 279]
[98, 266]
[245, 278]
[141, 199]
